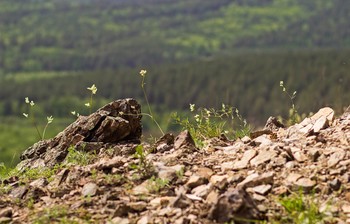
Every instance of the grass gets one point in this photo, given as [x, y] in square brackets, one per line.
[300, 208]
[79, 157]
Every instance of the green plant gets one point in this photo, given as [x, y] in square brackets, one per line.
[93, 90]
[30, 114]
[294, 116]
[300, 209]
[143, 76]
[208, 123]
[58, 213]
[143, 166]
[155, 185]
[79, 157]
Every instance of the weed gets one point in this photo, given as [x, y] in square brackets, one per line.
[58, 213]
[301, 209]
[155, 185]
[30, 114]
[79, 157]
[93, 90]
[143, 76]
[143, 166]
[294, 116]
[209, 123]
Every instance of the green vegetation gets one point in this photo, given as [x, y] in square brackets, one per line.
[77, 157]
[301, 208]
[209, 123]
[143, 167]
[155, 185]
[56, 35]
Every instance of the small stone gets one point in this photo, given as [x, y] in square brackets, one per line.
[256, 179]
[219, 181]
[89, 189]
[181, 201]
[204, 172]
[335, 158]
[335, 184]
[119, 220]
[138, 206]
[263, 140]
[227, 166]
[19, 192]
[195, 181]
[290, 165]
[347, 196]
[246, 139]
[258, 197]
[281, 190]
[184, 139]
[314, 154]
[41, 182]
[262, 189]
[143, 220]
[305, 183]
[212, 197]
[141, 189]
[346, 208]
[6, 212]
[263, 157]
[292, 178]
[243, 163]
[202, 190]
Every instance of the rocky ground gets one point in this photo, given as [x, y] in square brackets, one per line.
[98, 171]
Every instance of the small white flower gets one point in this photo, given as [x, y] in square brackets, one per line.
[49, 119]
[32, 103]
[73, 112]
[192, 106]
[196, 117]
[93, 89]
[26, 100]
[281, 83]
[143, 73]
[121, 113]
[87, 104]
[26, 115]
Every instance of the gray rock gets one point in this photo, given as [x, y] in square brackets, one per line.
[184, 139]
[243, 163]
[305, 184]
[89, 189]
[235, 205]
[19, 192]
[335, 158]
[117, 121]
[264, 156]
[335, 184]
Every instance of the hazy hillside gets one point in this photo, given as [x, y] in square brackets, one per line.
[83, 35]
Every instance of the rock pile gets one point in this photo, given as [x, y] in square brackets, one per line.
[238, 181]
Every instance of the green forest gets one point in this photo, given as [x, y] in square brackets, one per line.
[195, 51]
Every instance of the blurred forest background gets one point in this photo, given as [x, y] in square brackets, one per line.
[195, 51]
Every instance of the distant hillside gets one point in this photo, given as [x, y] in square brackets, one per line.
[98, 34]
[328, 29]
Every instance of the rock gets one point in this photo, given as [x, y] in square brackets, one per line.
[41, 182]
[195, 181]
[246, 139]
[262, 189]
[335, 184]
[202, 190]
[89, 189]
[298, 154]
[212, 197]
[138, 206]
[117, 121]
[205, 172]
[273, 124]
[235, 205]
[181, 201]
[6, 212]
[317, 122]
[119, 220]
[335, 158]
[19, 192]
[184, 139]
[108, 164]
[255, 179]
[263, 140]
[243, 163]
[305, 184]
[219, 181]
[165, 143]
[264, 156]
[226, 166]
